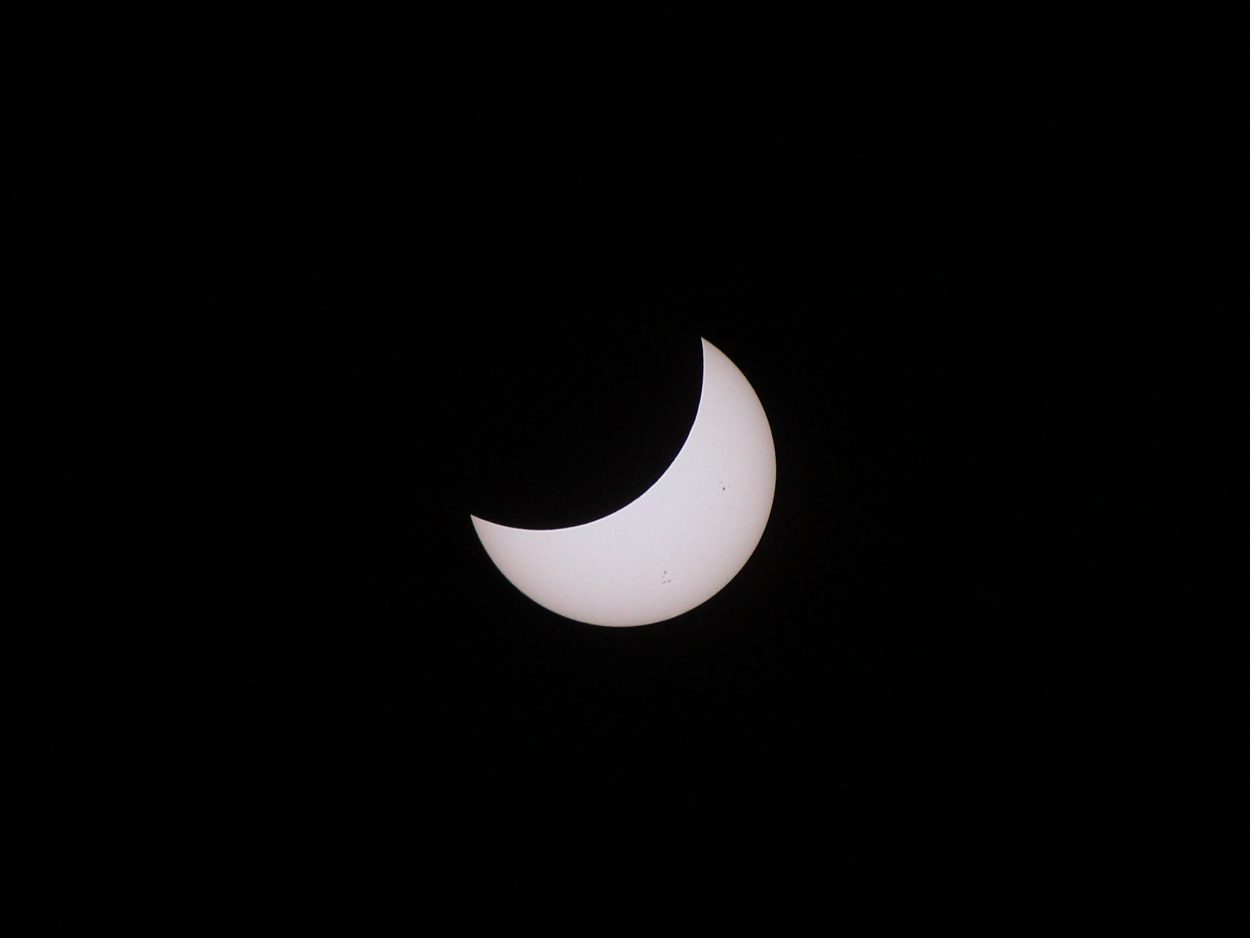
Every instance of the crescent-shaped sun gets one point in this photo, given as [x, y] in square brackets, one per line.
[677, 544]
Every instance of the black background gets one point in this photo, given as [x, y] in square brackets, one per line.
[337, 282]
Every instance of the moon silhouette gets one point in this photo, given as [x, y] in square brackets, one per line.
[676, 545]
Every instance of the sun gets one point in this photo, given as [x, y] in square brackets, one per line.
[676, 545]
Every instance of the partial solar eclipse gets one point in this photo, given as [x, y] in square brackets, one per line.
[676, 545]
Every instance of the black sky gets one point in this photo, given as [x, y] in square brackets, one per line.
[349, 280]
